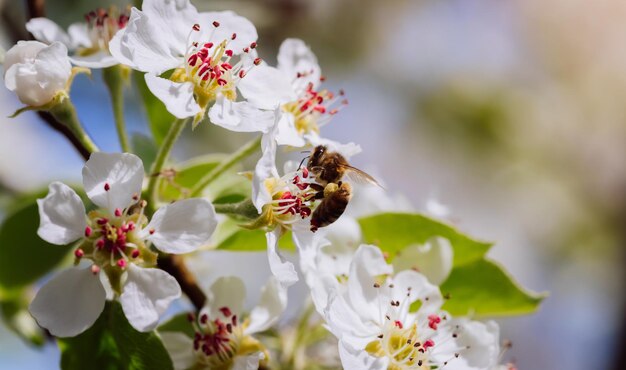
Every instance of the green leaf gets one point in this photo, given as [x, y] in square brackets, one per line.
[392, 232]
[145, 148]
[24, 257]
[483, 288]
[228, 188]
[111, 343]
[230, 236]
[17, 318]
[178, 323]
[159, 119]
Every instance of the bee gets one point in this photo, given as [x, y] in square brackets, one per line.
[328, 169]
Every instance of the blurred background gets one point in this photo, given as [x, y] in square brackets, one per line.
[511, 113]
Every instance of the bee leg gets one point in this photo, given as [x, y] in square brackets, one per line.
[316, 187]
[319, 194]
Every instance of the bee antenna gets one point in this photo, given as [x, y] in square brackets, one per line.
[305, 151]
[302, 161]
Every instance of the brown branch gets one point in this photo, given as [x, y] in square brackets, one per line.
[175, 266]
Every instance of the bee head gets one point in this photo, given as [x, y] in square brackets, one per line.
[317, 155]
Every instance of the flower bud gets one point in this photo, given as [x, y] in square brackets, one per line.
[36, 72]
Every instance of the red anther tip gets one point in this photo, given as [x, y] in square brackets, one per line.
[191, 317]
[107, 187]
[429, 343]
[216, 24]
[196, 27]
[88, 231]
[95, 269]
[121, 263]
[221, 81]
[322, 78]
[204, 319]
[229, 52]
[208, 45]
[151, 231]
[234, 36]
[78, 253]
[242, 73]
[253, 45]
[257, 61]
[100, 243]
[118, 212]
[226, 311]
[135, 253]
[398, 324]
[246, 50]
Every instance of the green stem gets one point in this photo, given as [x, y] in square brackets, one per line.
[65, 113]
[243, 152]
[162, 155]
[244, 208]
[114, 79]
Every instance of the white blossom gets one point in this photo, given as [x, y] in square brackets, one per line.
[36, 72]
[223, 333]
[88, 42]
[372, 316]
[116, 240]
[210, 55]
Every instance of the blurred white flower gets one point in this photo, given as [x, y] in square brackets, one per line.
[88, 42]
[36, 72]
[200, 49]
[371, 316]
[223, 334]
[116, 239]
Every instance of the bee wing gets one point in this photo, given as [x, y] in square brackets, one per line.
[359, 177]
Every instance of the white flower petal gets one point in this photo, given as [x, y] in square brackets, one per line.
[47, 31]
[287, 134]
[147, 294]
[177, 97]
[150, 43]
[230, 23]
[69, 303]
[272, 304]
[100, 59]
[345, 322]
[240, 116]
[353, 359]
[122, 173]
[266, 87]
[347, 150]
[79, 35]
[183, 226]
[248, 362]
[61, 215]
[284, 271]
[295, 57]
[367, 264]
[180, 348]
[409, 281]
[481, 341]
[433, 259]
[22, 52]
[266, 166]
[226, 291]
[36, 72]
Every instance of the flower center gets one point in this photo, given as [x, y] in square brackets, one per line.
[102, 25]
[111, 240]
[293, 196]
[402, 346]
[209, 65]
[217, 341]
[314, 109]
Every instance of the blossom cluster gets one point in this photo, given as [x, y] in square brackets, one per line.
[204, 67]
